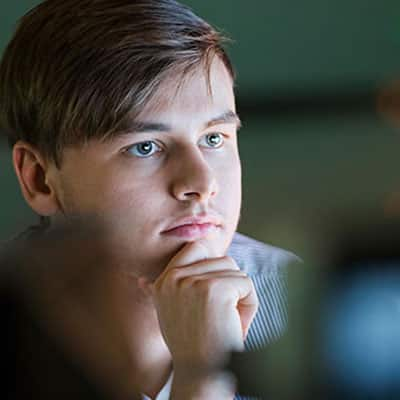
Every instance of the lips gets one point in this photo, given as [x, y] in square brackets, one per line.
[193, 228]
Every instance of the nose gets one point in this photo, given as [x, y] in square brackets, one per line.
[194, 180]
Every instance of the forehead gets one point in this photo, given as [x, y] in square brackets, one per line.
[191, 99]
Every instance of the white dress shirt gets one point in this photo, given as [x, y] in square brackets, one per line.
[165, 391]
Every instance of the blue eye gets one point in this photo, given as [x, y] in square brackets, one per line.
[214, 140]
[144, 149]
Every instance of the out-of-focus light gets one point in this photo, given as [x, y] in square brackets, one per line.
[388, 102]
[360, 333]
[391, 206]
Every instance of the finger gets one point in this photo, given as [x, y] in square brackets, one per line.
[212, 246]
[229, 283]
[214, 275]
[190, 253]
[203, 267]
[247, 307]
[194, 252]
[246, 301]
[244, 294]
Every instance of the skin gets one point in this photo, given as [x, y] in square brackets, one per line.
[180, 300]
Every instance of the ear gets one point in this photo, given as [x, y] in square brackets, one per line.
[32, 171]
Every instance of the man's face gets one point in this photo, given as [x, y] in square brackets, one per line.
[173, 179]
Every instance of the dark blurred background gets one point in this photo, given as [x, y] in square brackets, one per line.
[309, 76]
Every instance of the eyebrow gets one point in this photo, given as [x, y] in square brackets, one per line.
[228, 117]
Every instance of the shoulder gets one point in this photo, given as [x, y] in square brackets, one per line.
[267, 266]
[255, 257]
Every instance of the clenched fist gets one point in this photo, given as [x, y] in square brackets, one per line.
[205, 306]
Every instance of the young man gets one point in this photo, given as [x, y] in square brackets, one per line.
[124, 110]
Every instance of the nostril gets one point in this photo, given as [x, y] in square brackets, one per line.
[190, 195]
[194, 188]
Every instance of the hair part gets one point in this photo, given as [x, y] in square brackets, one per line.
[82, 69]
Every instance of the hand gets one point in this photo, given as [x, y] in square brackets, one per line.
[205, 306]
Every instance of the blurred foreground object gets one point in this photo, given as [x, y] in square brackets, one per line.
[60, 296]
[343, 338]
[60, 330]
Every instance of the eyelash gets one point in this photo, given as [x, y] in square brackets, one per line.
[136, 146]
[159, 148]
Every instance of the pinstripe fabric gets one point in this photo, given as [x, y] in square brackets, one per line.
[266, 266]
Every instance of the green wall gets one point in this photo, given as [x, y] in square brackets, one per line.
[286, 45]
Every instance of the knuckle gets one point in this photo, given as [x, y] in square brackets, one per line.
[168, 280]
[188, 282]
[247, 279]
[174, 274]
[231, 263]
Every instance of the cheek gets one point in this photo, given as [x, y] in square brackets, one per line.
[230, 184]
[130, 195]
[110, 191]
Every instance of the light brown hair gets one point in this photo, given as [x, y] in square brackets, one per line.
[82, 69]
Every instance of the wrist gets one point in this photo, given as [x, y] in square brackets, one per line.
[190, 385]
